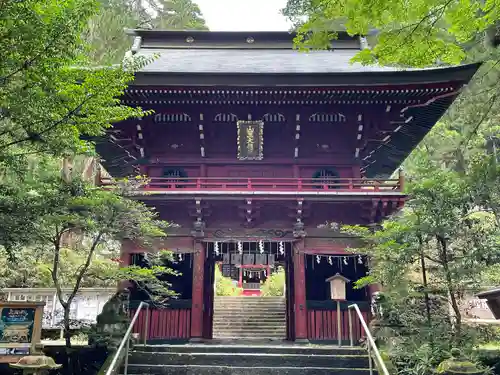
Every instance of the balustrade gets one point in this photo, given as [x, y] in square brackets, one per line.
[269, 184]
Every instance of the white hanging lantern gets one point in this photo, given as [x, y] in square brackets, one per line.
[261, 247]
[345, 261]
[180, 256]
[240, 247]
[330, 261]
[281, 248]
[360, 259]
[318, 259]
[216, 248]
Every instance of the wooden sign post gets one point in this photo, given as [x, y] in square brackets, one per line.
[337, 287]
[338, 293]
[20, 329]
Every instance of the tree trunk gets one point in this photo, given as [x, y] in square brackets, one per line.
[67, 328]
[450, 286]
[426, 290]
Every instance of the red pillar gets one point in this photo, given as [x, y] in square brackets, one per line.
[197, 298]
[240, 277]
[300, 292]
[125, 260]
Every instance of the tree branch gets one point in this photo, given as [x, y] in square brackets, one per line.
[66, 117]
[85, 266]
[55, 270]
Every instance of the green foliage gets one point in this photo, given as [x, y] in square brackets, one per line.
[73, 236]
[442, 245]
[49, 99]
[224, 286]
[30, 267]
[105, 31]
[417, 33]
[179, 15]
[274, 285]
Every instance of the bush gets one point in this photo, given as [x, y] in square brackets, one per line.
[224, 286]
[274, 286]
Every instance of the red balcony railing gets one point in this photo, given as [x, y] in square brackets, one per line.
[270, 184]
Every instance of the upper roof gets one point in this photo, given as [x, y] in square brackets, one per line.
[243, 52]
[261, 58]
[246, 68]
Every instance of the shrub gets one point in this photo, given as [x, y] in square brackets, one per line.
[274, 286]
[224, 286]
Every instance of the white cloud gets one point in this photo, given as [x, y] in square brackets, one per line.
[244, 15]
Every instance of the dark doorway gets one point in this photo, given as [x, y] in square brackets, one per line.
[221, 255]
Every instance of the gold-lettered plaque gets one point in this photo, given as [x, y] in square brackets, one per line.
[250, 140]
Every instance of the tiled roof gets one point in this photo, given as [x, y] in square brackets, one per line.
[254, 61]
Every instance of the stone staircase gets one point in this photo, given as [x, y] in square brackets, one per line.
[250, 359]
[260, 318]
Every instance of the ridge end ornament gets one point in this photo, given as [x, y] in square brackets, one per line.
[250, 138]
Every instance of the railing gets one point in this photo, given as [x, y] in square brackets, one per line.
[372, 347]
[122, 352]
[269, 184]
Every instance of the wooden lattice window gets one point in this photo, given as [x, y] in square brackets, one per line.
[173, 174]
[326, 177]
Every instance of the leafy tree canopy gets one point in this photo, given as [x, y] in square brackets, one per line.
[105, 32]
[416, 33]
[49, 98]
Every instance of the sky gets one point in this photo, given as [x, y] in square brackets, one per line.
[244, 15]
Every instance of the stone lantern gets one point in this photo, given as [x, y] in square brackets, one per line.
[36, 364]
[456, 365]
[337, 287]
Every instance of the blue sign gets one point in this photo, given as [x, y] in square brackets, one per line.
[16, 325]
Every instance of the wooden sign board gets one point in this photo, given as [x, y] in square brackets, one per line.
[20, 329]
[337, 287]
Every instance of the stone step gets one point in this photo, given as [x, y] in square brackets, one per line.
[246, 327]
[268, 337]
[249, 329]
[268, 317]
[242, 298]
[245, 360]
[241, 346]
[250, 300]
[238, 370]
[249, 308]
[249, 303]
[251, 323]
[280, 333]
[245, 311]
[261, 339]
[250, 336]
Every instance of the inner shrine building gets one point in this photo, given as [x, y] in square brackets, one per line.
[258, 153]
